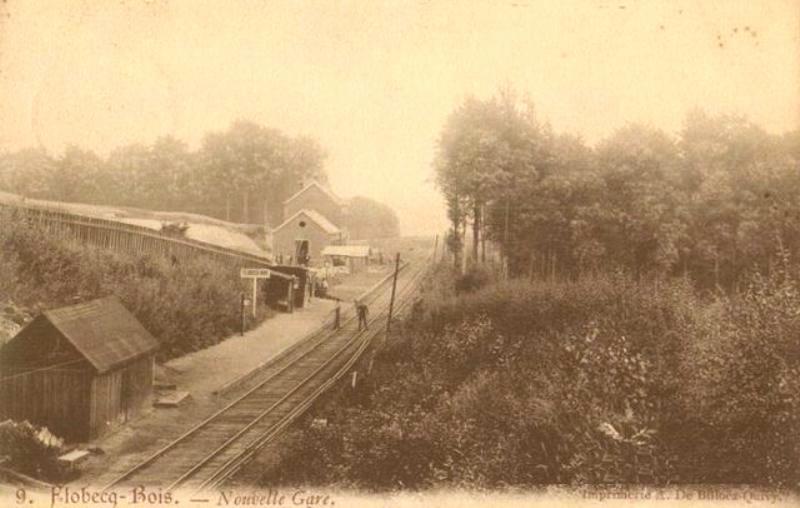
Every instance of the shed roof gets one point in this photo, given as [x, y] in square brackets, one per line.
[336, 199]
[103, 331]
[321, 220]
[352, 251]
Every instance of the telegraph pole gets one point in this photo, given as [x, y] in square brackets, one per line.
[505, 244]
[394, 288]
[242, 312]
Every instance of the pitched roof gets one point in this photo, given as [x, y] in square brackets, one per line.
[103, 331]
[321, 220]
[336, 199]
[354, 251]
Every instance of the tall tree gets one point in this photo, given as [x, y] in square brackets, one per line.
[486, 149]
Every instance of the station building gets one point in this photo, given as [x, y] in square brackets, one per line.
[313, 220]
[314, 196]
[302, 237]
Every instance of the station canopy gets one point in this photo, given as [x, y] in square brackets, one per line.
[348, 251]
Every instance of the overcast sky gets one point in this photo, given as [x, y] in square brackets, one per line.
[374, 81]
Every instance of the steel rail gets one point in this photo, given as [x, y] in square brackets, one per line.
[221, 413]
[257, 419]
[298, 409]
[233, 464]
[346, 318]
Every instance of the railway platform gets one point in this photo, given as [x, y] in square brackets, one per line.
[211, 376]
[202, 373]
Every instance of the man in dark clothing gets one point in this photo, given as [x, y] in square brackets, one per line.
[362, 311]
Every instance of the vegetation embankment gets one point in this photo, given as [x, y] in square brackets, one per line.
[187, 306]
[601, 380]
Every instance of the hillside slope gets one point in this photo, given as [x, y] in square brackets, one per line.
[606, 380]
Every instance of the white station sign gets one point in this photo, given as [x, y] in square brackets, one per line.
[255, 273]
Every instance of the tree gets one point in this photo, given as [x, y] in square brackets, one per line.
[169, 174]
[635, 164]
[27, 172]
[248, 157]
[76, 176]
[367, 218]
[727, 160]
[299, 159]
[485, 151]
[217, 173]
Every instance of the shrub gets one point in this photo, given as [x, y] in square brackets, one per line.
[602, 380]
[188, 305]
[741, 391]
[31, 450]
[476, 277]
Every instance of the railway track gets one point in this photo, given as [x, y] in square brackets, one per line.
[212, 451]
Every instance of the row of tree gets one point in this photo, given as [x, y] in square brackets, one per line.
[242, 174]
[366, 218]
[719, 199]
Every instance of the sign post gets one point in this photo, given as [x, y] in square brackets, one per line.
[255, 274]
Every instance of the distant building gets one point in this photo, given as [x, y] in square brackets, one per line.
[79, 370]
[303, 234]
[354, 257]
[318, 198]
[313, 224]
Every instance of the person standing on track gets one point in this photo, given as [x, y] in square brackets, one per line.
[362, 311]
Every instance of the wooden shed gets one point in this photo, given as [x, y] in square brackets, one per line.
[79, 370]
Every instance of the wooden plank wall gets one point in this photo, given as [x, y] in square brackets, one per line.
[108, 409]
[141, 384]
[104, 408]
[56, 398]
[132, 238]
[140, 240]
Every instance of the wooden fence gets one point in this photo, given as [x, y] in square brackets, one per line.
[133, 239]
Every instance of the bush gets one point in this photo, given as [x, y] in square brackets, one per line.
[476, 277]
[31, 450]
[603, 380]
[741, 390]
[188, 305]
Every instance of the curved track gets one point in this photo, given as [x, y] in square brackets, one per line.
[212, 451]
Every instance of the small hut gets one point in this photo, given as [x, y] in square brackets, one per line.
[79, 370]
[354, 257]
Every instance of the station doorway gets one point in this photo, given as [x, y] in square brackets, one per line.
[301, 250]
